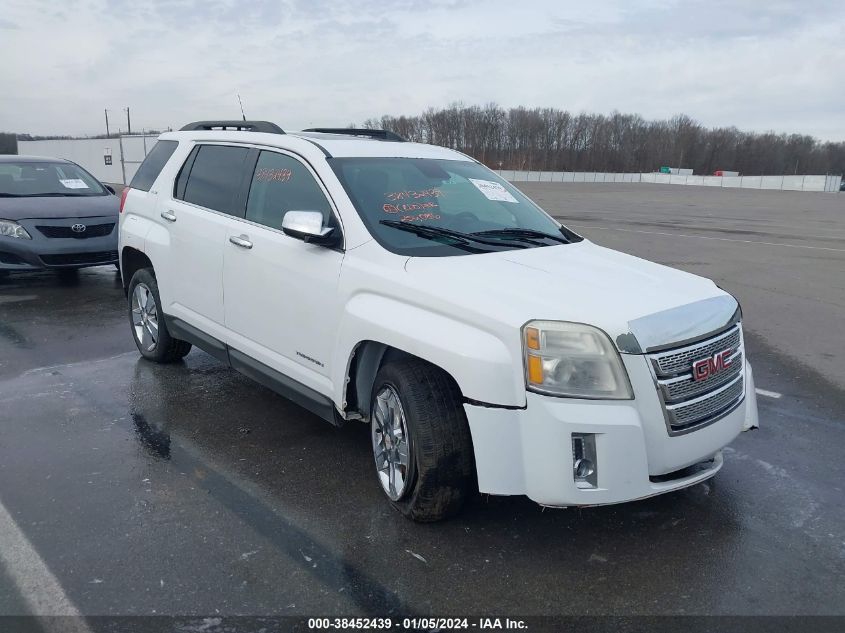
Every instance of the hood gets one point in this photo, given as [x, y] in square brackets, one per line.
[641, 305]
[59, 207]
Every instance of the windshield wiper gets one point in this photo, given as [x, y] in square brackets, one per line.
[432, 232]
[524, 233]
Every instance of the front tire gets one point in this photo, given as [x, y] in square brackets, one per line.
[149, 329]
[421, 441]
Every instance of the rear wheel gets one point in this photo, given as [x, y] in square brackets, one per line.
[147, 320]
[421, 441]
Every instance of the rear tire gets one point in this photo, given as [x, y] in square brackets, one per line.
[421, 441]
[149, 329]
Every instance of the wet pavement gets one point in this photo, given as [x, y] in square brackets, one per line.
[188, 489]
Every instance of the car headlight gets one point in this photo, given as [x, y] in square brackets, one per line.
[13, 229]
[573, 360]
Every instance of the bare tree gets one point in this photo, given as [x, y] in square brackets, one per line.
[553, 139]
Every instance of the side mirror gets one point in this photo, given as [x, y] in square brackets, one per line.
[308, 227]
[110, 189]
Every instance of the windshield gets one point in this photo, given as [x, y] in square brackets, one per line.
[432, 207]
[32, 179]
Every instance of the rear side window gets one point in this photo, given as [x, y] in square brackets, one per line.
[153, 164]
[281, 184]
[215, 178]
[184, 172]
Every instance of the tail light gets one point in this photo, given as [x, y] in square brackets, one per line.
[123, 195]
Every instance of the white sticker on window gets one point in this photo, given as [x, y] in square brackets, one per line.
[493, 190]
[74, 183]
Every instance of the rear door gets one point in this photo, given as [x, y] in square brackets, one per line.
[209, 194]
[281, 293]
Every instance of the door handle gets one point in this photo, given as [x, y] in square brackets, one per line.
[241, 241]
[169, 216]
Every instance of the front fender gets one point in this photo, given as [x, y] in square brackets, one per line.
[481, 363]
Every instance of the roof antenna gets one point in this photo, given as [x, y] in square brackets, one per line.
[242, 106]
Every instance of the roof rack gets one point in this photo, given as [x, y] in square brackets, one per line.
[381, 135]
[246, 126]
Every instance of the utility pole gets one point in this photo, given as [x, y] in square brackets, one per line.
[107, 123]
[128, 122]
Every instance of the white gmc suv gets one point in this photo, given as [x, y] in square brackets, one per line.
[409, 287]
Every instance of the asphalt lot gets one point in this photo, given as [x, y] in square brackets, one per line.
[190, 490]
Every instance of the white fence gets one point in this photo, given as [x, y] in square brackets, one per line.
[565, 176]
[112, 160]
[783, 183]
[116, 160]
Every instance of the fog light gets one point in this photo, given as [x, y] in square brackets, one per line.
[584, 463]
[584, 468]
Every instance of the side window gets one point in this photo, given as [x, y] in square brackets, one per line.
[281, 184]
[214, 180]
[184, 172]
[153, 164]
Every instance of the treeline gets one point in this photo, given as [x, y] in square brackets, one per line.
[549, 139]
[55, 137]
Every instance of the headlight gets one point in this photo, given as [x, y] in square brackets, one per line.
[13, 229]
[573, 360]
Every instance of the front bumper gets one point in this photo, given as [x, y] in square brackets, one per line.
[529, 451]
[45, 252]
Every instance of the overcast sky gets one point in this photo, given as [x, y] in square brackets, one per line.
[764, 65]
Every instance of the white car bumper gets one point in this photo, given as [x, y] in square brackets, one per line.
[529, 451]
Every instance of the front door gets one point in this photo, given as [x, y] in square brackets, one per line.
[281, 303]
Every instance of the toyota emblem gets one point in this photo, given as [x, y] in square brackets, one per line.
[78, 228]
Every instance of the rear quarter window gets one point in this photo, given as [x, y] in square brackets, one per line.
[153, 164]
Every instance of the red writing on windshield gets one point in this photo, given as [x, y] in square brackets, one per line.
[268, 174]
[420, 218]
[413, 195]
[413, 206]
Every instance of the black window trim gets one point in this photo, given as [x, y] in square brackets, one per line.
[246, 183]
[187, 164]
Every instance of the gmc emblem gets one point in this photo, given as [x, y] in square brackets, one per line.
[706, 367]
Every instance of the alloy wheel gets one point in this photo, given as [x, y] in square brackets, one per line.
[391, 443]
[145, 317]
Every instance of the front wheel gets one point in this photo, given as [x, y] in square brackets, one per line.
[421, 440]
[147, 320]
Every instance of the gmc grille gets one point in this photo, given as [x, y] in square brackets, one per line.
[691, 404]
